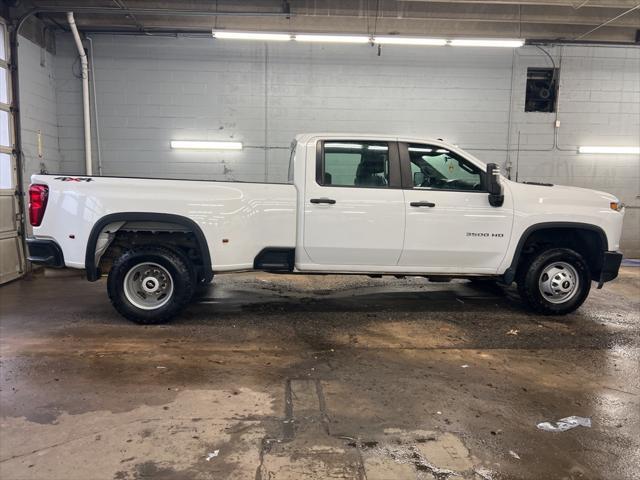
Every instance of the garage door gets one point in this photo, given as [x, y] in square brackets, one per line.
[11, 253]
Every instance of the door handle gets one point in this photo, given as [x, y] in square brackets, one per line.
[422, 204]
[330, 201]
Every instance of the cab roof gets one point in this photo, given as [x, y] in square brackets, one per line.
[305, 137]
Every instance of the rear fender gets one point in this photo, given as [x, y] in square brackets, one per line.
[104, 229]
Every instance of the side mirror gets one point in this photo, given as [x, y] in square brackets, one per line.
[496, 196]
[418, 179]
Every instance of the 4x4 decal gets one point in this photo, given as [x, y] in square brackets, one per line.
[74, 179]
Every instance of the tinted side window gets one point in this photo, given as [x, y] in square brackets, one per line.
[438, 168]
[355, 164]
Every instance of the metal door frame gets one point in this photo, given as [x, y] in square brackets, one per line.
[9, 107]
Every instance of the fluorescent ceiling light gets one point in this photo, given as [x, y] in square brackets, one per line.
[393, 40]
[377, 147]
[278, 37]
[614, 150]
[486, 43]
[332, 38]
[199, 145]
[381, 40]
[354, 146]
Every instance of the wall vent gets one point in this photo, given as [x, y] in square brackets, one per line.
[542, 90]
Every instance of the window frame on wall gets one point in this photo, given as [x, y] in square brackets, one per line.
[6, 106]
[394, 181]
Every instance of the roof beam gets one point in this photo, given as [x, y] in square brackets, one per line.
[622, 4]
[559, 19]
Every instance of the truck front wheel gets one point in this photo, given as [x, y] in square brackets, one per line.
[150, 285]
[555, 281]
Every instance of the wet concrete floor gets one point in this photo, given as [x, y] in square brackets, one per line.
[282, 377]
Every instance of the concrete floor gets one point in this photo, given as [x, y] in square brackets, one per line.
[283, 377]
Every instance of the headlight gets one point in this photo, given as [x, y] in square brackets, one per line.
[617, 206]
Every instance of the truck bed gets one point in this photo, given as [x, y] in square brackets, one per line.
[238, 219]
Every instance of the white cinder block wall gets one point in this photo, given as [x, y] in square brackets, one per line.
[152, 90]
[38, 108]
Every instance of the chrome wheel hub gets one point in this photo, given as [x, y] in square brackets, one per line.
[559, 282]
[148, 286]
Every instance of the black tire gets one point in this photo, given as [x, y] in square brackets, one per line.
[180, 278]
[532, 273]
[201, 290]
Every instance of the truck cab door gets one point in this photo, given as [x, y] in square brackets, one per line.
[450, 225]
[353, 205]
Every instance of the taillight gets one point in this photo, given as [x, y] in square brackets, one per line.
[38, 195]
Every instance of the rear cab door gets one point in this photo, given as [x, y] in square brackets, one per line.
[450, 225]
[353, 205]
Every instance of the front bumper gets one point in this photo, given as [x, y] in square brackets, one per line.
[45, 252]
[610, 267]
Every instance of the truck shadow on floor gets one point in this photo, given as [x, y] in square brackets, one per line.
[425, 316]
[426, 297]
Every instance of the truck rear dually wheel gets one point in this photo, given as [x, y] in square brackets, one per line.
[555, 281]
[150, 285]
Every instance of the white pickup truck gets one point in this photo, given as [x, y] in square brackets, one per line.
[354, 204]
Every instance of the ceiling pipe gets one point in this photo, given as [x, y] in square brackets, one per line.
[155, 12]
[85, 94]
[585, 43]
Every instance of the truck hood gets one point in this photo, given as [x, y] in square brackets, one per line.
[560, 194]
